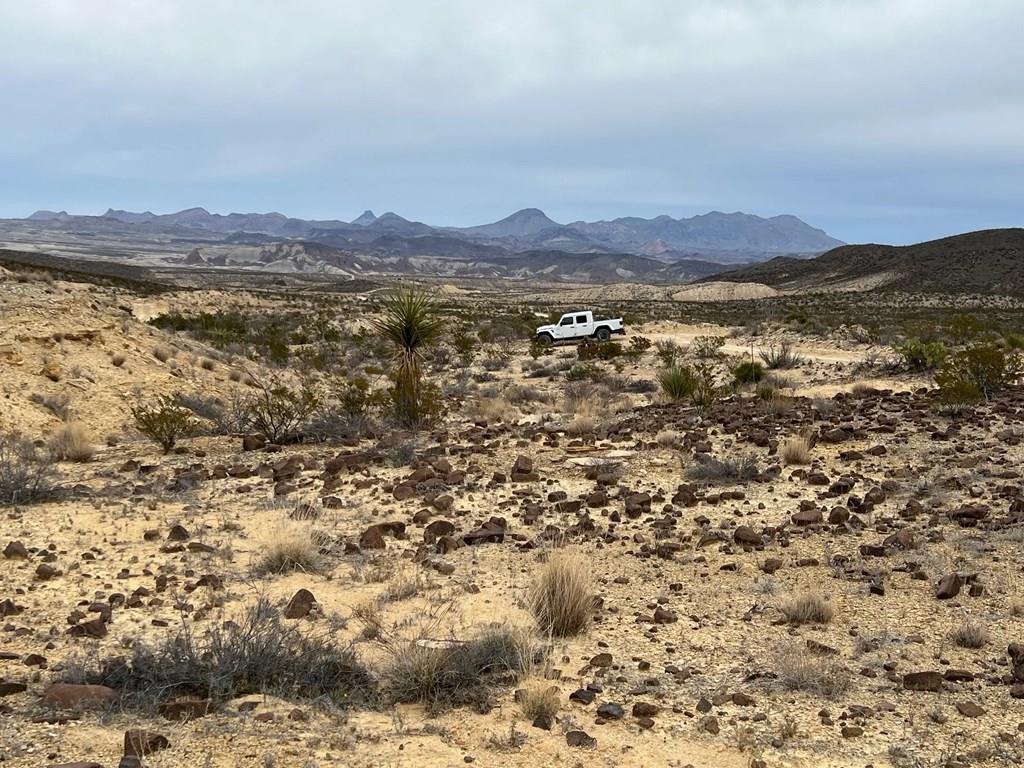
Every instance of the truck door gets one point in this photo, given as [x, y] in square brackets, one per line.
[584, 327]
[565, 327]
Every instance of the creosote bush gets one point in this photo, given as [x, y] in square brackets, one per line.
[278, 411]
[749, 372]
[561, 597]
[807, 608]
[164, 421]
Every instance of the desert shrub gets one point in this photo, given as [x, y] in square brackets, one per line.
[58, 405]
[71, 443]
[444, 674]
[410, 323]
[538, 349]
[561, 596]
[920, 355]
[464, 342]
[807, 608]
[957, 396]
[164, 421]
[257, 653]
[287, 545]
[748, 372]
[117, 359]
[163, 353]
[539, 700]
[969, 634]
[584, 372]
[737, 469]
[796, 450]
[798, 670]
[26, 474]
[669, 352]
[278, 411]
[963, 327]
[677, 382]
[988, 367]
[637, 346]
[1013, 341]
[668, 438]
[781, 356]
[707, 346]
[598, 350]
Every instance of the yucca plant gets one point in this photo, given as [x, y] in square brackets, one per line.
[411, 324]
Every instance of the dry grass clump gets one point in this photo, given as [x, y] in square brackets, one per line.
[798, 670]
[561, 597]
[585, 420]
[539, 700]
[207, 364]
[797, 450]
[288, 545]
[163, 353]
[735, 469]
[71, 443]
[668, 438]
[492, 409]
[807, 608]
[58, 405]
[970, 634]
[446, 673]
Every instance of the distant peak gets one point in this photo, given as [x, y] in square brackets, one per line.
[366, 217]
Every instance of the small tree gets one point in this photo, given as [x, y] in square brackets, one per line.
[410, 323]
[276, 410]
[164, 421]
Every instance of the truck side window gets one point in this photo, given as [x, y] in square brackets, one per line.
[581, 319]
[566, 320]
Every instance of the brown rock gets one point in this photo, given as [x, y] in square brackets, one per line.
[300, 605]
[138, 742]
[74, 696]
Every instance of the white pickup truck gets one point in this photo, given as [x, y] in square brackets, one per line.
[579, 325]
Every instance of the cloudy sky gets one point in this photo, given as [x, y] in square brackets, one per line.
[878, 120]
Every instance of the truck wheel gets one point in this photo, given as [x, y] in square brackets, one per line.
[603, 334]
[545, 339]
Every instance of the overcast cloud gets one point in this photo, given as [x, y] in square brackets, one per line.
[878, 120]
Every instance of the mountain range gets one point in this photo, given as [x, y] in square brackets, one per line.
[715, 236]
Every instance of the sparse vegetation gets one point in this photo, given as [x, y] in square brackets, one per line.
[749, 372]
[278, 411]
[164, 421]
[781, 356]
[677, 382]
[561, 597]
[26, 474]
[287, 546]
[410, 323]
[258, 652]
[735, 469]
[71, 443]
[807, 608]
[796, 450]
[969, 634]
[705, 347]
[798, 670]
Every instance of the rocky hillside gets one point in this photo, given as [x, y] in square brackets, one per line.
[989, 261]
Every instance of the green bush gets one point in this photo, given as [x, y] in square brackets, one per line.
[584, 372]
[748, 372]
[986, 366]
[598, 350]
[707, 346]
[922, 355]
[677, 382]
[164, 421]
[637, 346]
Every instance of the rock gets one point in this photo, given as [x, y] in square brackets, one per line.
[437, 529]
[96, 628]
[80, 764]
[949, 586]
[1016, 653]
[300, 605]
[747, 536]
[402, 492]
[185, 708]
[807, 517]
[253, 442]
[663, 615]
[852, 731]
[9, 608]
[522, 471]
[710, 725]
[969, 709]
[74, 696]
[923, 681]
[9, 689]
[138, 742]
[580, 739]
[771, 565]
[15, 550]
[45, 572]
[583, 696]
[601, 660]
[611, 711]
[178, 533]
[645, 709]
[372, 538]
[638, 504]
